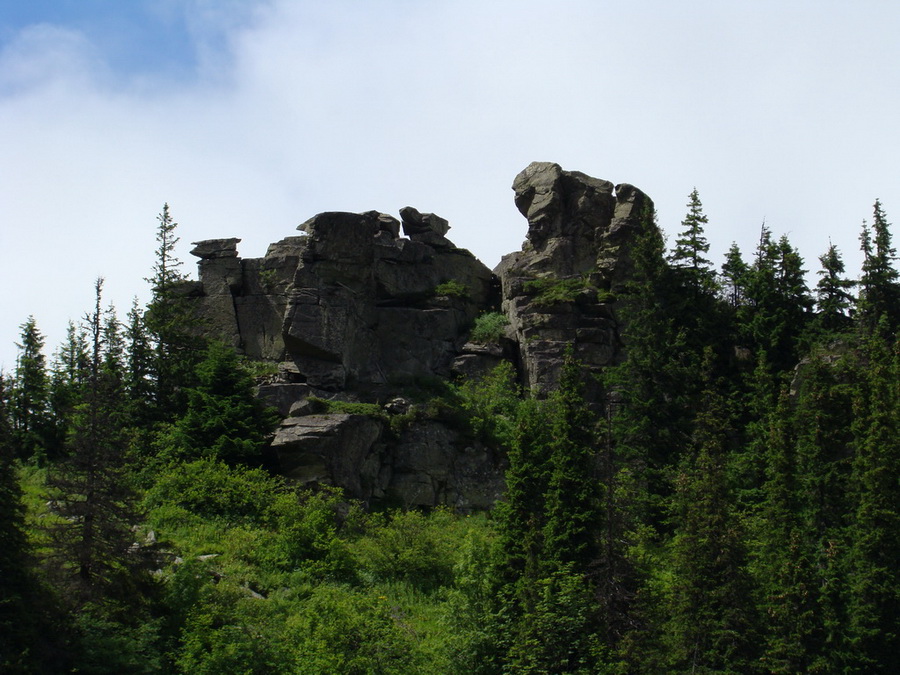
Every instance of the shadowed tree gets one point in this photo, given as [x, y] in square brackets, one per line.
[711, 626]
[171, 325]
[90, 489]
[874, 603]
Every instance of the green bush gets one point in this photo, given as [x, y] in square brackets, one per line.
[489, 327]
[212, 489]
[339, 630]
[411, 547]
[491, 404]
[452, 289]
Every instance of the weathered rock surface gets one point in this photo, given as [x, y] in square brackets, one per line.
[558, 291]
[350, 309]
[331, 449]
[351, 302]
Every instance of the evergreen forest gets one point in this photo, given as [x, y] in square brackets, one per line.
[731, 506]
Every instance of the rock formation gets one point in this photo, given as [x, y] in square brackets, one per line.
[559, 290]
[354, 312]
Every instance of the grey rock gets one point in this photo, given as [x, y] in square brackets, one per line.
[329, 448]
[580, 233]
[422, 223]
[349, 310]
[210, 249]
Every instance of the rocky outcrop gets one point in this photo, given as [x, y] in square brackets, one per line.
[428, 464]
[334, 449]
[351, 310]
[559, 290]
[349, 303]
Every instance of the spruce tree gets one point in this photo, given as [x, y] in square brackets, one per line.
[29, 399]
[691, 247]
[834, 299]
[711, 626]
[138, 366]
[778, 305]
[573, 492]
[171, 324]
[823, 423]
[223, 419]
[67, 375]
[734, 276]
[17, 610]
[785, 567]
[879, 290]
[874, 597]
[90, 489]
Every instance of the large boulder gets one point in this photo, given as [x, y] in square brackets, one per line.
[330, 449]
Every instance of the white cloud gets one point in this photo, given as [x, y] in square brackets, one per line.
[299, 108]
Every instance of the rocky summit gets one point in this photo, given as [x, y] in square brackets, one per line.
[361, 312]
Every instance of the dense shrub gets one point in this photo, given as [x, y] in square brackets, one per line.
[212, 489]
[489, 327]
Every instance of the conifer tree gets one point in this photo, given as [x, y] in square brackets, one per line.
[785, 568]
[691, 246]
[653, 386]
[138, 366]
[573, 491]
[823, 422]
[711, 626]
[874, 602]
[67, 375]
[834, 299]
[90, 489]
[879, 290]
[734, 275]
[17, 610]
[778, 302]
[224, 420]
[171, 324]
[29, 402]
[520, 518]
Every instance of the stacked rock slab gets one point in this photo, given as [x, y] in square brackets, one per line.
[559, 290]
[351, 302]
[347, 306]
[352, 311]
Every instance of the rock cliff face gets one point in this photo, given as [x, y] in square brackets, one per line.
[354, 312]
[559, 290]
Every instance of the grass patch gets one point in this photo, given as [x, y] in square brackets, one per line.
[347, 407]
[550, 291]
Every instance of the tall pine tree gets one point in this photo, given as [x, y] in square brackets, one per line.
[879, 291]
[834, 299]
[90, 489]
[171, 324]
[29, 400]
[874, 577]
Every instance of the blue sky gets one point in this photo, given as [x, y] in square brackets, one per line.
[138, 37]
[250, 116]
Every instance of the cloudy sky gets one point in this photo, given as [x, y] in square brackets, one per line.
[250, 116]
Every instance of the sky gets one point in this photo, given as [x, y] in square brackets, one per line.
[248, 117]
